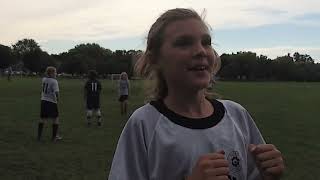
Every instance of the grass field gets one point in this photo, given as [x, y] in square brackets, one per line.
[286, 113]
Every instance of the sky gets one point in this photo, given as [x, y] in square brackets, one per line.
[269, 27]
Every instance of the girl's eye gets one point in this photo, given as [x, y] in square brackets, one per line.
[206, 42]
[183, 42]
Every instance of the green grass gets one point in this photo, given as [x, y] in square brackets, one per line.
[286, 113]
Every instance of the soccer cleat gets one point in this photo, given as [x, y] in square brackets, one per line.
[57, 138]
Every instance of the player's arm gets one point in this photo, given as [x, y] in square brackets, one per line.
[57, 96]
[85, 91]
[99, 86]
[119, 88]
[128, 87]
[56, 90]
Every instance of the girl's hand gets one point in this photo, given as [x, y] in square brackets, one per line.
[211, 166]
[269, 160]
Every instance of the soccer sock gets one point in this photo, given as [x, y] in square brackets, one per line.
[99, 120]
[40, 128]
[54, 130]
[88, 120]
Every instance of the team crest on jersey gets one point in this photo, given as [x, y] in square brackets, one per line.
[235, 161]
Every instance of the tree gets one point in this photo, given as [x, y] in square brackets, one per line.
[248, 64]
[91, 56]
[241, 65]
[74, 64]
[93, 51]
[263, 70]
[37, 60]
[24, 46]
[302, 58]
[230, 67]
[83, 57]
[284, 68]
[6, 57]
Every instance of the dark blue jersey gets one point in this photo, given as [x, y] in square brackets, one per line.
[92, 92]
[92, 88]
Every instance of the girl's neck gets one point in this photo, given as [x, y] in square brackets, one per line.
[192, 105]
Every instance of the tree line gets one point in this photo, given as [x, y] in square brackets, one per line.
[249, 66]
[27, 56]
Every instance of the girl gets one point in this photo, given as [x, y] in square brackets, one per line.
[49, 103]
[123, 92]
[181, 133]
[92, 91]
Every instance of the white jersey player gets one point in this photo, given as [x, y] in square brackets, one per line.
[49, 103]
[124, 87]
[183, 134]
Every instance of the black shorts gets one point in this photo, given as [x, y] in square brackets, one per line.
[49, 110]
[123, 98]
[93, 102]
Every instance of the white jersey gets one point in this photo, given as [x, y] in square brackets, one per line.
[49, 88]
[158, 144]
[123, 87]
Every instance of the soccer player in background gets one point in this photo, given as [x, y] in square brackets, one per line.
[92, 91]
[123, 92]
[9, 75]
[49, 103]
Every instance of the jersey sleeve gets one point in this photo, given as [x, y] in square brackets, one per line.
[254, 137]
[250, 133]
[130, 158]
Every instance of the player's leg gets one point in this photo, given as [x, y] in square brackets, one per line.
[99, 117]
[55, 130]
[121, 104]
[96, 108]
[90, 109]
[125, 104]
[125, 107]
[40, 128]
[122, 107]
[54, 114]
[89, 116]
[43, 117]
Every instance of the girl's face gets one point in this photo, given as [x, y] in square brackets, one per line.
[124, 76]
[186, 55]
[53, 74]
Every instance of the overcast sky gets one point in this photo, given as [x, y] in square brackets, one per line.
[270, 27]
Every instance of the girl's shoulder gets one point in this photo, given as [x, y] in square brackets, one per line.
[144, 113]
[145, 118]
[230, 104]
[233, 107]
